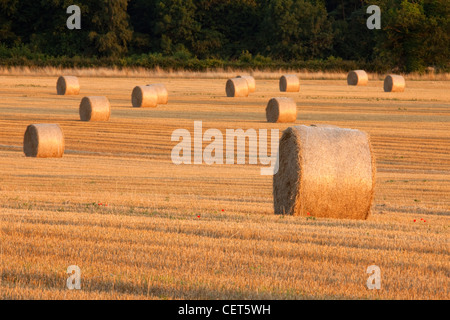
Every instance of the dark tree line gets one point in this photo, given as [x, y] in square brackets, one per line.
[414, 34]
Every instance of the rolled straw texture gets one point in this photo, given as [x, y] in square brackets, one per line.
[394, 83]
[251, 83]
[324, 172]
[281, 110]
[163, 95]
[95, 109]
[44, 141]
[144, 97]
[67, 85]
[237, 87]
[289, 83]
[357, 78]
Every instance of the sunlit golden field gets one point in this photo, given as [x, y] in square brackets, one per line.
[141, 227]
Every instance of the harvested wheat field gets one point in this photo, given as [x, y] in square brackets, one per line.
[141, 227]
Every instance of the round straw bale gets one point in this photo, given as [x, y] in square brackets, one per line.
[251, 83]
[67, 85]
[144, 96]
[237, 87]
[357, 78]
[43, 141]
[324, 172]
[163, 96]
[281, 110]
[289, 83]
[394, 83]
[95, 109]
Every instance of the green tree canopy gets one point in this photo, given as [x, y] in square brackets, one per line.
[414, 33]
[296, 29]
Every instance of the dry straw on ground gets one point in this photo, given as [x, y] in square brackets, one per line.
[357, 78]
[251, 83]
[163, 95]
[289, 83]
[394, 83]
[281, 110]
[144, 97]
[324, 172]
[217, 73]
[95, 109]
[237, 87]
[67, 85]
[43, 141]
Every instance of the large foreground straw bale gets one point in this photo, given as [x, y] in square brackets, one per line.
[357, 78]
[43, 141]
[289, 83]
[324, 172]
[237, 87]
[144, 97]
[95, 109]
[67, 85]
[281, 110]
[163, 95]
[251, 83]
[394, 83]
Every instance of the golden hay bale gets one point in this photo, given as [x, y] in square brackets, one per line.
[95, 109]
[43, 141]
[357, 78]
[67, 85]
[237, 87]
[324, 172]
[163, 96]
[144, 96]
[251, 83]
[394, 83]
[289, 83]
[281, 110]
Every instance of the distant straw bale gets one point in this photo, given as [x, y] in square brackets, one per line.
[237, 87]
[394, 83]
[144, 97]
[357, 78]
[289, 83]
[281, 110]
[44, 141]
[95, 109]
[67, 85]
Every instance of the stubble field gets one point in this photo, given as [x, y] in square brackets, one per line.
[141, 227]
